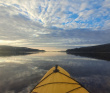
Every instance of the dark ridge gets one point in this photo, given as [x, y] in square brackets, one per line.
[98, 52]
[11, 50]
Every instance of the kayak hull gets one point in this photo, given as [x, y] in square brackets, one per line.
[58, 80]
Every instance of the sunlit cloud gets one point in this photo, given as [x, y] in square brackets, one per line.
[9, 42]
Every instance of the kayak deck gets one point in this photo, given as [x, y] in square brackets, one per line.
[57, 80]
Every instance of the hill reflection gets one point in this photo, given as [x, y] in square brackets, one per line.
[3, 54]
[98, 55]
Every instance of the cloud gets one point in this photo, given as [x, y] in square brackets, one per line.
[106, 4]
[54, 23]
[54, 13]
[106, 24]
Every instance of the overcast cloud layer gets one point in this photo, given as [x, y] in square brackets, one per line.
[54, 23]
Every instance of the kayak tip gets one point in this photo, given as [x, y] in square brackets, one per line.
[56, 69]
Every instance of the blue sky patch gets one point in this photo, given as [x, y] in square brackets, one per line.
[74, 16]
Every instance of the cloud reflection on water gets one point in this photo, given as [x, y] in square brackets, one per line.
[21, 73]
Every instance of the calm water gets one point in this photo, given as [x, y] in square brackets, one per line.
[19, 74]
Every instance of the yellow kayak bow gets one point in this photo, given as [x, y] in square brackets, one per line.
[57, 80]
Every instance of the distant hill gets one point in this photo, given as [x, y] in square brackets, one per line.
[98, 52]
[11, 50]
[98, 48]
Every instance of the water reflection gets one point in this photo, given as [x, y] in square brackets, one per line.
[100, 55]
[6, 54]
[19, 74]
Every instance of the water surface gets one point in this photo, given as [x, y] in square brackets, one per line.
[19, 74]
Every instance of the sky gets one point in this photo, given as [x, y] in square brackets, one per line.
[54, 24]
